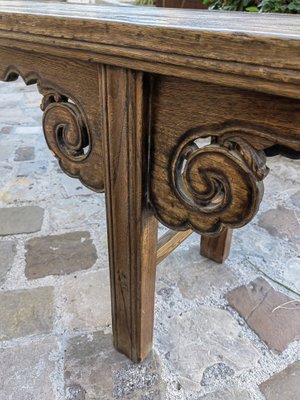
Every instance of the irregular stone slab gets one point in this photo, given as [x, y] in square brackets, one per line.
[26, 370]
[6, 130]
[266, 248]
[200, 338]
[7, 254]
[73, 187]
[11, 100]
[5, 169]
[229, 394]
[24, 154]
[281, 222]
[265, 312]
[29, 130]
[195, 277]
[59, 254]
[6, 150]
[283, 386]
[292, 272]
[16, 220]
[277, 183]
[69, 213]
[296, 199]
[285, 169]
[94, 370]
[15, 116]
[36, 168]
[26, 312]
[87, 301]
[29, 189]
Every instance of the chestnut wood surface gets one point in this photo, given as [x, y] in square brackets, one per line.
[216, 248]
[132, 228]
[249, 50]
[58, 77]
[190, 176]
[171, 112]
[169, 242]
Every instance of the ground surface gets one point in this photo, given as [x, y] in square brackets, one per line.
[221, 331]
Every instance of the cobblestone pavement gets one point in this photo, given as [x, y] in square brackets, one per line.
[221, 331]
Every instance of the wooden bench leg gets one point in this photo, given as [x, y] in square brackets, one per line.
[132, 228]
[216, 248]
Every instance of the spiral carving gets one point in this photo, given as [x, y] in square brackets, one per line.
[77, 148]
[65, 129]
[219, 185]
[72, 115]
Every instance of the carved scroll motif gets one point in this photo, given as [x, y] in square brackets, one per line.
[68, 137]
[214, 187]
[71, 126]
[65, 129]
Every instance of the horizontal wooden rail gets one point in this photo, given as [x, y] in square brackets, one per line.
[169, 241]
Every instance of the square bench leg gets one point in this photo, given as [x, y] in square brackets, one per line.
[132, 228]
[216, 248]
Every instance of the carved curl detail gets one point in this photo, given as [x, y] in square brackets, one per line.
[65, 130]
[221, 182]
[69, 138]
[71, 126]
[213, 187]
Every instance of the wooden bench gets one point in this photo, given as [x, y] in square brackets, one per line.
[171, 112]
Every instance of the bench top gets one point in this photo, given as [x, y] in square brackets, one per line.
[272, 25]
[233, 48]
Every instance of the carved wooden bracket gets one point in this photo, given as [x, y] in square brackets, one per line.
[68, 136]
[71, 120]
[65, 127]
[213, 187]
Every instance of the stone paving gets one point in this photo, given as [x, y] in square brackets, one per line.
[55, 322]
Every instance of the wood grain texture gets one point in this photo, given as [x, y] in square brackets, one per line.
[132, 228]
[216, 248]
[259, 52]
[71, 106]
[218, 186]
[129, 95]
[169, 242]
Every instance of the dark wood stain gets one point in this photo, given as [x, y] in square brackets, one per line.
[129, 94]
